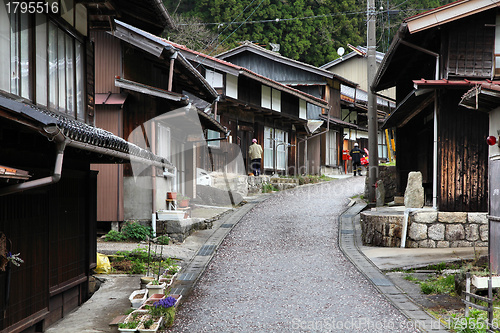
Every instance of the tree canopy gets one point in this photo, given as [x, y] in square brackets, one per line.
[310, 31]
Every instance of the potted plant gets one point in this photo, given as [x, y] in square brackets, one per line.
[150, 324]
[156, 287]
[171, 195]
[138, 297]
[182, 201]
[165, 308]
[132, 321]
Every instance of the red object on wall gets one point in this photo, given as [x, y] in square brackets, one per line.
[345, 155]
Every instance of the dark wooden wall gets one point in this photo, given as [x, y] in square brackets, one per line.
[463, 156]
[470, 46]
[53, 229]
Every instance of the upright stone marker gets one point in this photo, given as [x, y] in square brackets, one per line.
[414, 193]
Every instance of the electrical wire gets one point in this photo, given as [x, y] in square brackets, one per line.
[215, 48]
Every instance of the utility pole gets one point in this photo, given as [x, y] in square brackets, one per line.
[372, 101]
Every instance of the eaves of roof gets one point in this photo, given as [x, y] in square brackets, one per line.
[452, 83]
[484, 97]
[448, 13]
[151, 91]
[157, 46]
[339, 122]
[78, 134]
[248, 107]
[227, 67]
[309, 98]
[248, 46]
[411, 105]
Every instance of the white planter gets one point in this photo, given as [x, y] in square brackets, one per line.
[157, 325]
[171, 215]
[137, 302]
[156, 288]
[481, 282]
[130, 318]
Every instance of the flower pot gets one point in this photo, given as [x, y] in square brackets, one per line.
[145, 280]
[481, 282]
[183, 203]
[138, 297]
[172, 215]
[172, 195]
[156, 288]
[136, 316]
[153, 328]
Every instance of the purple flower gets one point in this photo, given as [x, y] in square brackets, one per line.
[165, 302]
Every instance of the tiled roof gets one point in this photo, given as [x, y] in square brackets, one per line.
[79, 134]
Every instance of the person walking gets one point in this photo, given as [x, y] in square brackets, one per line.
[356, 155]
[255, 154]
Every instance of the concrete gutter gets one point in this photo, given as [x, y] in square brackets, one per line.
[349, 239]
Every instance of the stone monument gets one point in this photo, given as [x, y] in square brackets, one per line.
[414, 193]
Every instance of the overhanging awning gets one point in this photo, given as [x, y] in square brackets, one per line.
[152, 91]
[78, 134]
[408, 108]
[339, 122]
[484, 97]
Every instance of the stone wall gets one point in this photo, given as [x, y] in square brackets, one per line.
[447, 229]
[426, 229]
[388, 176]
[254, 184]
[178, 231]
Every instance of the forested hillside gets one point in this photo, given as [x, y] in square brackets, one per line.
[306, 30]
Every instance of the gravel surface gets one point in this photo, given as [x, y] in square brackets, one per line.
[280, 270]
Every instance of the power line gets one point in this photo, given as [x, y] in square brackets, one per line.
[278, 19]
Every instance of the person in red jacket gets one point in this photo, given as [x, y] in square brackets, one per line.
[356, 155]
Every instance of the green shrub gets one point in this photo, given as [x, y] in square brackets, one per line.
[163, 240]
[440, 285]
[266, 188]
[138, 267]
[475, 323]
[136, 231]
[115, 236]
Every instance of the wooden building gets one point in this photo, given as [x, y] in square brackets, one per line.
[353, 66]
[139, 80]
[434, 59]
[319, 150]
[251, 106]
[48, 213]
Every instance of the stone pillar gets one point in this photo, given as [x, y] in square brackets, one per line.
[414, 193]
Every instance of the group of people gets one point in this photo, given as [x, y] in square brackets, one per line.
[255, 154]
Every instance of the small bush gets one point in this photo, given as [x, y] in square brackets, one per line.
[114, 236]
[137, 267]
[266, 188]
[136, 231]
[441, 285]
[163, 240]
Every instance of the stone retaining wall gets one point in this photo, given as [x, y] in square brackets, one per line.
[427, 229]
[443, 229]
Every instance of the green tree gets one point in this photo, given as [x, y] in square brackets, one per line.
[307, 30]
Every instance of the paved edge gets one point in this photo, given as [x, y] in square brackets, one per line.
[349, 238]
[196, 266]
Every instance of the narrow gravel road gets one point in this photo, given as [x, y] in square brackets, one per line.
[281, 270]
